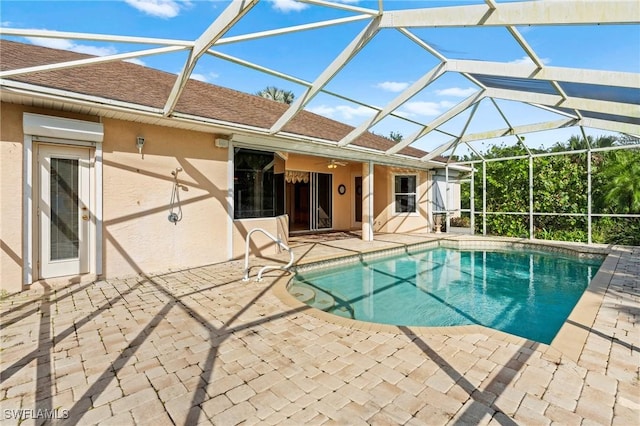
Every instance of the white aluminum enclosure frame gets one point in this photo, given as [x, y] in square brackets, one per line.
[530, 213]
[493, 13]
[374, 20]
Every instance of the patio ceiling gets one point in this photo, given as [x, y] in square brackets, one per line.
[573, 97]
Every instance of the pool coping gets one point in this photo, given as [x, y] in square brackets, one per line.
[570, 339]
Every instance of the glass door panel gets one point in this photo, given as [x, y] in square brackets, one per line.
[64, 223]
[63, 210]
[358, 198]
[321, 201]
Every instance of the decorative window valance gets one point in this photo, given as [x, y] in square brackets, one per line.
[291, 176]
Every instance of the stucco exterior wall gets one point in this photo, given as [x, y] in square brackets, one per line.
[137, 192]
[260, 244]
[10, 201]
[386, 219]
[11, 190]
[137, 236]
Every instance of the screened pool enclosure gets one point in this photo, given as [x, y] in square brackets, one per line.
[471, 83]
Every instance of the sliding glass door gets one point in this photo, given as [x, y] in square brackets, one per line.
[321, 201]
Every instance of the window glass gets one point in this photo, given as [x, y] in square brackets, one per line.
[255, 189]
[405, 184]
[405, 194]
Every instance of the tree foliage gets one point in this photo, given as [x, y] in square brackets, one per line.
[560, 186]
[276, 94]
[622, 182]
[396, 136]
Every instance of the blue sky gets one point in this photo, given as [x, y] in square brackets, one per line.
[386, 66]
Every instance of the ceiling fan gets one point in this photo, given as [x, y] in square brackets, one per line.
[332, 164]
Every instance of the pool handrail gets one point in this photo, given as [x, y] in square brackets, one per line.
[264, 268]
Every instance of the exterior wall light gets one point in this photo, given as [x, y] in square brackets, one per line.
[139, 143]
[222, 143]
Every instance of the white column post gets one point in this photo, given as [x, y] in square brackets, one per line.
[589, 241]
[472, 199]
[531, 236]
[367, 201]
[99, 206]
[484, 197]
[446, 197]
[229, 199]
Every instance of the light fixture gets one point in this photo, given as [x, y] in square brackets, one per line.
[139, 143]
[332, 165]
[222, 143]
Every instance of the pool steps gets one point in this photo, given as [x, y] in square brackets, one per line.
[320, 299]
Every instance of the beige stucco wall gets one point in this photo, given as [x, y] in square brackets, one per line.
[137, 193]
[137, 236]
[10, 201]
[137, 189]
[386, 219]
[11, 189]
[260, 244]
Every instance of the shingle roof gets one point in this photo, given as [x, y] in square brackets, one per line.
[136, 84]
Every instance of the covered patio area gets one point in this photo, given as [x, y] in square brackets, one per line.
[200, 346]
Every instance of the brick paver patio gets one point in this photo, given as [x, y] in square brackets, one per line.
[202, 347]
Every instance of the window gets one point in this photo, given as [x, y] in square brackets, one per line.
[257, 190]
[405, 194]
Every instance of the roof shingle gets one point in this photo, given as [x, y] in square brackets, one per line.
[136, 84]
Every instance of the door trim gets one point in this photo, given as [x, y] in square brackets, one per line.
[77, 265]
[37, 128]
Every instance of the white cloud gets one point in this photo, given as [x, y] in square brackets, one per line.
[458, 92]
[344, 112]
[426, 108]
[199, 77]
[323, 110]
[349, 112]
[527, 60]
[295, 6]
[204, 77]
[159, 8]
[57, 43]
[94, 50]
[392, 86]
[288, 5]
[136, 61]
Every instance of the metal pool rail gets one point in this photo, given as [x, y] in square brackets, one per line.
[264, 268]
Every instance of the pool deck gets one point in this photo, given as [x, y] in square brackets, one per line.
[200, 346]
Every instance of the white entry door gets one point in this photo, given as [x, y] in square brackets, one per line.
[64, 211]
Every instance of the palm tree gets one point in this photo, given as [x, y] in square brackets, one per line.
[396, 136]
[622, 182]
[278, 95]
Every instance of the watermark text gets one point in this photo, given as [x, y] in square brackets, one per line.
[35, 413]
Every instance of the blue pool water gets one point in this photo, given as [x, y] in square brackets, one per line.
[529, 294]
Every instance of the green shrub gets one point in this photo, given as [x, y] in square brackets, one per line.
[462, 222]
[612, 230]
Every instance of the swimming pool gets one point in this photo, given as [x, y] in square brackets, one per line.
[525, 293]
